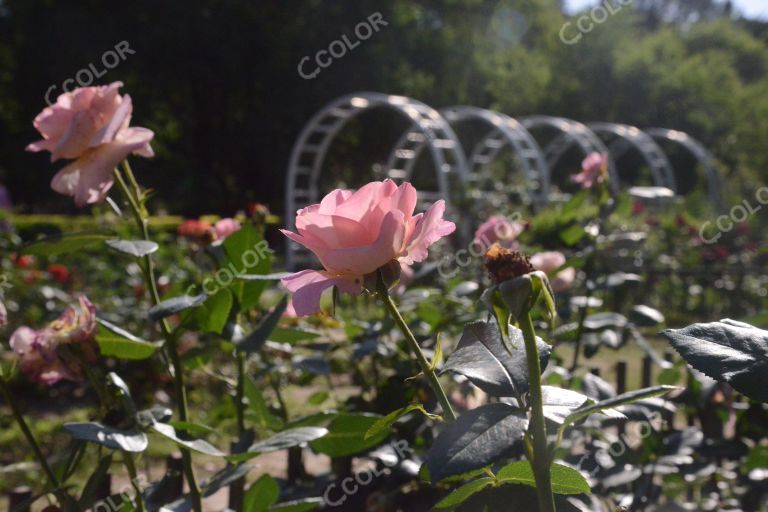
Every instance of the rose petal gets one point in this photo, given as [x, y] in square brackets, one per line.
[308, 286]
[430, 228]
[366, 259]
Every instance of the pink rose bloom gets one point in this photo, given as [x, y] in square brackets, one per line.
[549, 262]
[38, 350]
[90, 125]
[594, 169]
[3, 316]
[225, 227]
[498, 229]
[355, 233]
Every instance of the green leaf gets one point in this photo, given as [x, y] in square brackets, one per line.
[113, 345]
[281, 335]
[212, 316]
[478, 438]
[65, 243]
[261, 495]
[346, 435]
[135, 248]
[263, 417]
[383, 424]
[727, 351]
[253, 342]
[461, 494]
[281, 441]
[305, 505]
[318, 397]
[175, 305]
[572, 234]
[198, 445]
[129, 440]
[626, 398]
[497, 368]
[247, 254]
[192, 428]
[95, 482]
[565, 480]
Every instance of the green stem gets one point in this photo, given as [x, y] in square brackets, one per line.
[130, 464]
[128, 460]
[133, 199]
[426, 367]
[538, 427]
[583, 313]
[65, 499]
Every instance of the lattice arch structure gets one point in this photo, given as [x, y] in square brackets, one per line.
[308, 153]
[503, 130]
[620, 138]
[570, 132]
[700, 153]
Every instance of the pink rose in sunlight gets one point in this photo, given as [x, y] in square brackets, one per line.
[355, 233]
[225, 227]
[39, 350]
[549, 262]
[498, 229]
[594, 169]
[90, 125]
[3, 316]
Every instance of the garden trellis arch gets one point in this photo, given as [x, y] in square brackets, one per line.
[503, 130]
[570, 132]
[429, 129]
[704, 158]
[620, 138]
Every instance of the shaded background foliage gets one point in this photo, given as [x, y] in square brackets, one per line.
[218, 82]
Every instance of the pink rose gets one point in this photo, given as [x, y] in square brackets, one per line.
[38, 350]
[549, 262]
[90, 125]
[594, 169]
[225, 227]
[498, 229]
[355, 233]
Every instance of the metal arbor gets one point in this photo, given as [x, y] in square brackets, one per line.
[571, 132]
[620, 138]
[503, 130]
[309, 151]
[700, 153]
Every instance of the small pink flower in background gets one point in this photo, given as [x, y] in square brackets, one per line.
[498, 229]
[225, 227]
[355, 233]
[197, 230]
[549, 262]
[38, 350]
[594, 169]
[3, 316]
[90, 125]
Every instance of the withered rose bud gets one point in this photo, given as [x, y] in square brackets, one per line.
[504, 264]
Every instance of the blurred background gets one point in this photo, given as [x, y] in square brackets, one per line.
[219, 81]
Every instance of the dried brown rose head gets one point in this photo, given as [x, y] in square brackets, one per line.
[504, 264]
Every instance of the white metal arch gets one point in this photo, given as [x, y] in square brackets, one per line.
[504, 130]
[629, 136]
[311, 147]
[571, 132]
[700, 153]
[621, 137]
